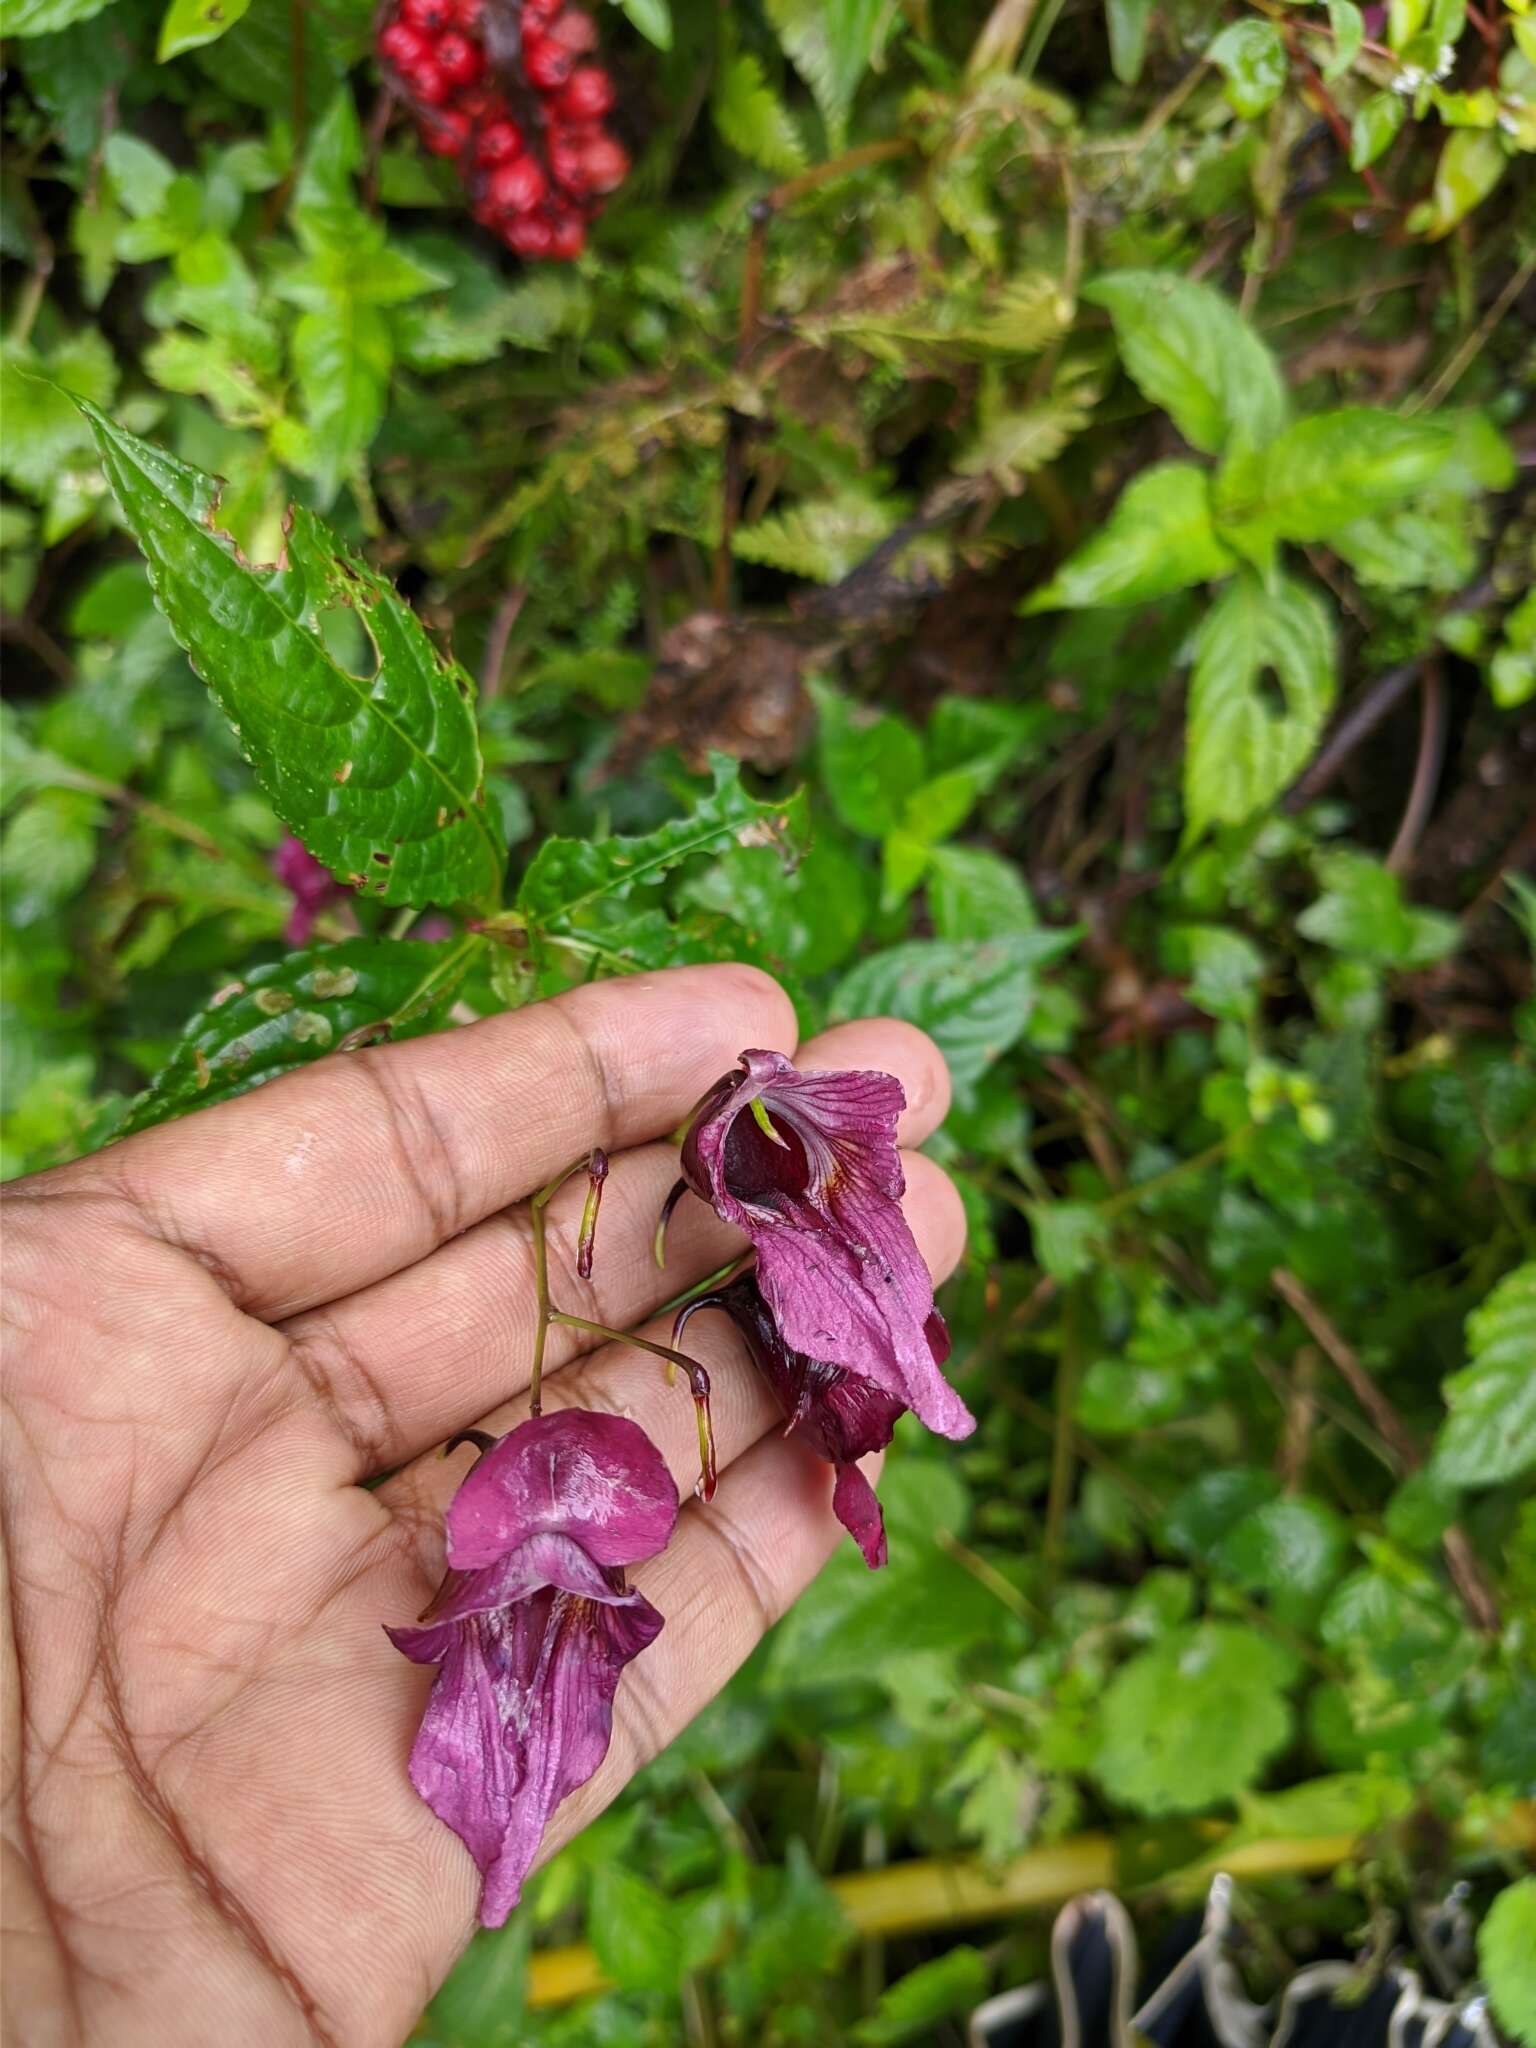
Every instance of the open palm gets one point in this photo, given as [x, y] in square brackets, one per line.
[218, 1331]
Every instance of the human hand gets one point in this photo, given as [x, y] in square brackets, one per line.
[218, 1330]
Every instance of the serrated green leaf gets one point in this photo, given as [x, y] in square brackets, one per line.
[1009, 446]
[293, 1011]
[973, 1000]
[47, 852]
[832, 44]
[380, 776]
[1191, 351]
[569, 880]
[1250, 55]
[1191, 1722]
[753, 119]
[1325, 472]
[820, 538]
[188, 24]
[1241, 750]
[1490, 1434]
[1158, 538]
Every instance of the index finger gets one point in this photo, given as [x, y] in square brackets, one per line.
[323, 1181]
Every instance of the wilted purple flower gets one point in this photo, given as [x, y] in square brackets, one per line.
[311, 886]
[531, 1629]
[807, 1165]
[840, 1414]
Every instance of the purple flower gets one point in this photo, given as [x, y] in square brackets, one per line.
[807, 1166]
[311, 886]
[840, 1414]
[531, 1630]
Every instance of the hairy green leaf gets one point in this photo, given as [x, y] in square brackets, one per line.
[380, 775]
[1193, 1720]
[973, 1000]
[1242, 748]
[832, 44]
[753, 119]
[1193, 353]
[293, 1011]
[1158, 538]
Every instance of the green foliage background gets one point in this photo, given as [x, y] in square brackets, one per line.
[1055, 572]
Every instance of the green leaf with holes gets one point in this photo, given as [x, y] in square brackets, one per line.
[188, 24]
[380, 775]
[293, 1011]
[1243, 748]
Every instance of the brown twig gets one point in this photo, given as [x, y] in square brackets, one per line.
[1426, 771]
[1466, 1574]
[378, 126]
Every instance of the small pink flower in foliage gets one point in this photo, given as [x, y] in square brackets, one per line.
[807, 1166]
[840, 1414]
[311, 886]
[531, 1630]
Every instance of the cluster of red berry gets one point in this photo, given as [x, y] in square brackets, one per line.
[501, 86]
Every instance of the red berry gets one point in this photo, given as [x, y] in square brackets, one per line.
[567, 234]
[427, 83]
[468, 14]
[459, 60]
[446, 134]
[403, 46]
[498, 142]
[604, 164]
[587, 94]
[537, 14]
[528, 235]
[565, 164]
[574, 30]
[516, 187]
[546, 64]
[430, 16]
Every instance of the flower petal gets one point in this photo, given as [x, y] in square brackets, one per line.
[596, 1478]
[836, 1261]
[855, 1506]
[520, 1714]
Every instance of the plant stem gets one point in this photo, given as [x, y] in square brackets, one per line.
[1466, 1574]
[544, 1315]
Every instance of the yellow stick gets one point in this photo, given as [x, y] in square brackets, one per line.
[907, 1898]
